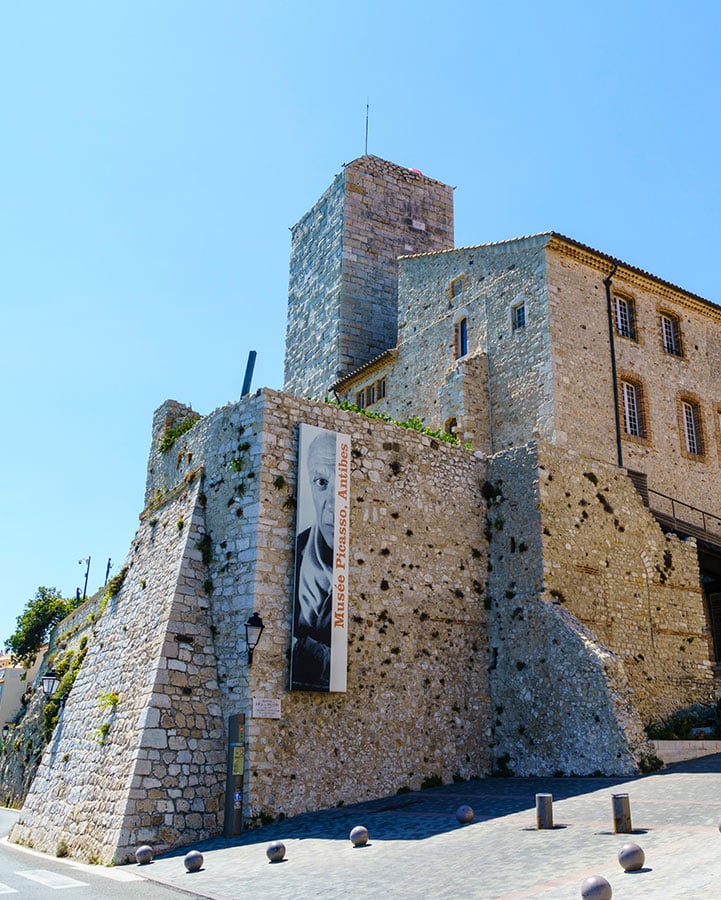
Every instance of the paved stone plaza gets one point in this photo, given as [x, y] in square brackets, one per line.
[418, 849]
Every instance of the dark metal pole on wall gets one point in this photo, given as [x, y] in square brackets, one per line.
[249, 367]
[233, 821]
[614, 377]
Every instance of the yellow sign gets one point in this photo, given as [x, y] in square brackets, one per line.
[238, 760]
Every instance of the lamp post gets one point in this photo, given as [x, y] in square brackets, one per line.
[86, 560]
[253, 630]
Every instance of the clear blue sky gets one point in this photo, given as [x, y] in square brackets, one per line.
[154, 154]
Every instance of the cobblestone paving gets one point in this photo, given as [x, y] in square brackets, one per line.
[417, 847]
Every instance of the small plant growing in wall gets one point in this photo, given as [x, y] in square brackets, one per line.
[414, 423]
[108, 699]
[112, 589]
[171, 435]
[205, 546]
[101, 732]
[67, 668]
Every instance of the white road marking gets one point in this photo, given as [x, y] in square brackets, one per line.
[6, 889]
[50, 879]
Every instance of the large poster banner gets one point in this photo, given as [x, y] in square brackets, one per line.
[319, 650]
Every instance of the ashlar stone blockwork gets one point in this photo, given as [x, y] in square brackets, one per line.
[138, 755]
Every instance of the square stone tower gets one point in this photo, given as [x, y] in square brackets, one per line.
[343, 288]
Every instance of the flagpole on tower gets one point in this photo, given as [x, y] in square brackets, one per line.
[367, 108]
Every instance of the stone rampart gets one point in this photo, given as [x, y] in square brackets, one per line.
[596, 618]
[524, 608]
[416, 616]
[138, 754]
[609, 563]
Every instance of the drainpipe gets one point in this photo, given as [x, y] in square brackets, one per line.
[614, 380]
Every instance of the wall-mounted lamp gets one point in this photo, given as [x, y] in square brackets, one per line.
[253, 630]
[6, 731]
[50, 682]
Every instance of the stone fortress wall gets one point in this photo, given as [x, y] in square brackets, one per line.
[596, 619]
[416, 616]
[513, 606]
[138, 754]
[435, 689]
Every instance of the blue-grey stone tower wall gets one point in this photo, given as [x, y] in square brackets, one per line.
[343, 288]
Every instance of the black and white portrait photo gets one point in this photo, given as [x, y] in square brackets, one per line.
[318, 653]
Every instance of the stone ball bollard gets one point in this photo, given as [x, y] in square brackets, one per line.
[359, 836]
[193, 861]
[275, 851]
[464, 814]
[719, 824]
[596, 888]
[144, 855]
[631, 857]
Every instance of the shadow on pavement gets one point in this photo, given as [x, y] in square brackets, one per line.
[419, 814]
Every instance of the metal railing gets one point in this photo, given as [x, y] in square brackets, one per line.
[684, 515]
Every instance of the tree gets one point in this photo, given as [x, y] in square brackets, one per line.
[35, 624]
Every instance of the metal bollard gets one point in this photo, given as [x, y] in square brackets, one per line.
[621, 813]
[544, 810]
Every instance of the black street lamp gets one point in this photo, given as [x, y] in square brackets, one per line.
[50, 682]
[86, 560]
[253, 630]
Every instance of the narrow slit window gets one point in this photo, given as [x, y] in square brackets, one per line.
[381, 388]
[518, 316]
[360, 399]
[461, 337]
[370, 394]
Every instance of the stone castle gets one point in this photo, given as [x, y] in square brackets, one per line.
[523, 601]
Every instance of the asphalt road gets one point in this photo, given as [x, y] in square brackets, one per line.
[26, 874]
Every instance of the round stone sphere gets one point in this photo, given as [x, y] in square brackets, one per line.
[596, 888]
[193, 861]
[631, 857]
[144, 855]
[275, 851]
[359, 836]
[464, 814]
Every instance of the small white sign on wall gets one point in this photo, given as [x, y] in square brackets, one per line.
[266, 708]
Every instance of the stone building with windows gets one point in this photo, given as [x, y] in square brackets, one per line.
[523, 601]
[544, 338]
